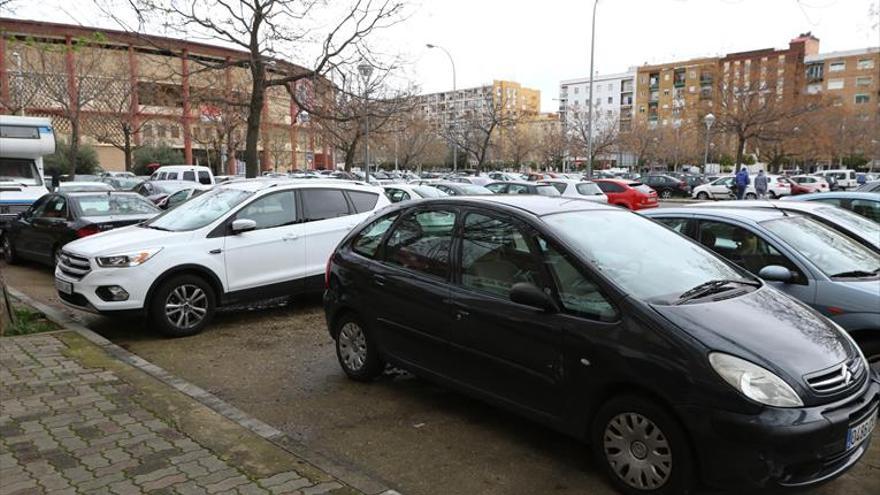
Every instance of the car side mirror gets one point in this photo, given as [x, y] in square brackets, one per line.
[775, 273]
[530, 295]
[243, 225]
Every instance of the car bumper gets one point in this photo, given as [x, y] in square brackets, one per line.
[84, 291]
[780, 447]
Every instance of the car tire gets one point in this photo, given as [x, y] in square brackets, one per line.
[751, 196]
[182, 306]
[666, 194]
[703, 196]
[355, 349]
[772, 195]
[9, 251]
[56, 256]
[641, 447]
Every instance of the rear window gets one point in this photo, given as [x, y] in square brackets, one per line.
[204, 177]
[319, 204]
[547, 190]
[588, 189]
[101, 205]
[363, 201]
[638, 186]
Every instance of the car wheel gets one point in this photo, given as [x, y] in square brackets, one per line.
[703, 195]
[182, 306]
[641, 447]
[871, 349]
[357, 353]
[751, 196]
[9, 251]
[666, 194]
[773, 195]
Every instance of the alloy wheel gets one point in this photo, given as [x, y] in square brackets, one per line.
[666, 194]
[353, 346]
[7, 248]
[637, 451]
[186, 306]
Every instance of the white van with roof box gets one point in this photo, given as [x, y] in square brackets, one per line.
[23, 143]
[193, 173]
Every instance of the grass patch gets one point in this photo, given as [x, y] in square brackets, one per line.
[27, 322]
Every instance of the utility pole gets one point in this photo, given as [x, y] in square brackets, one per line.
[590, 108]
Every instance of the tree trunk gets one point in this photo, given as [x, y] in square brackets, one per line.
[251, 154]
[740, 151]
[349, 156]
[127, 135]
[74, 145]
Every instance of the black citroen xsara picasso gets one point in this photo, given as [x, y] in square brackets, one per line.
[677, 367]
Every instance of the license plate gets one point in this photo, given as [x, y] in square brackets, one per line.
[64, 286]
[858, 433]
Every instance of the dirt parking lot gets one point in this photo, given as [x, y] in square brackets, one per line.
[278, 364]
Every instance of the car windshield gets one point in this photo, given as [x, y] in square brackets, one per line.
[199, 211]
[102, 205]
[833, 253]
[20, 171]
[429, 192]
[852, 221]
[124, 183]
[169, 187]
[644, 258]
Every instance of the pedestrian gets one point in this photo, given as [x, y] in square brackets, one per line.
[742, 182]
[761, 183]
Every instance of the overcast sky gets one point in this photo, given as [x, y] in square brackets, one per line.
[540, 42]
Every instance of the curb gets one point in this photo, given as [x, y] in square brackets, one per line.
[346, 474]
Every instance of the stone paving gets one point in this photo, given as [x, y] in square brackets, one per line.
[68, 426]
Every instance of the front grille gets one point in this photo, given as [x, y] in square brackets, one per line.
[838, 378]
[74, 266]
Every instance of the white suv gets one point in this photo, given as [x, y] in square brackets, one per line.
[244, 240]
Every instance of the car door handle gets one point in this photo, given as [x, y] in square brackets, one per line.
[379, 280]
[289, 237]
[461, 314]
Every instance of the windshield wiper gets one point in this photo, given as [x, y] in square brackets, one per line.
[146, 226]
[856, 274]
[712, 287]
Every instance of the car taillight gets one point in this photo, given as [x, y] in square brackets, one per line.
[87, 231]
[682, 185]
[327, 273]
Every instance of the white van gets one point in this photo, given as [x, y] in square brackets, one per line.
[845, 178]
[23, 143]
[194, 173]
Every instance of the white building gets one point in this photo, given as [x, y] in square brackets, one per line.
[613, 102]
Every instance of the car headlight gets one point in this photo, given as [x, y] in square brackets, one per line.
[754, 382]
[126, 259]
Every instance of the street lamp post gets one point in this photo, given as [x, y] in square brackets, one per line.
[590, 108]
[454, 119]
[709, 120]
[366, 70]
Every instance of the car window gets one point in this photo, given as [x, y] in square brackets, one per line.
[495, 255]
[866, 208]
[54, 208]
[743, 247]
[547, 190]
[588, 189]
[560, 186]
[679, 225]
[177, 198]
[496, 188]
[577, 293]
[396, 195]
[189, 175]
[429, 192]
[517, 189]
[113, 204]
[272, 210]
[204, 177]
[363, 201]
[421, 240]
[320, 204]
[610, 187]
[366, 243]
[161, 175]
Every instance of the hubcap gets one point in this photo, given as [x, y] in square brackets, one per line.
[186, 306]
[666, 194]
[353, 346]
[637, 451]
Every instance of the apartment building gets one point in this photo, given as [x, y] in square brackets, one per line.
[159, 87]
[677, 92]
[613, 99]
[509, 97]
[851, 78]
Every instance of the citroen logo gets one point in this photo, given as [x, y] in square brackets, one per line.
[847, 375]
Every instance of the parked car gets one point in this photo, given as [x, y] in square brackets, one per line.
[866, 204]
[628, 194]
[674, 364]
[522, 187]
[58, 218]
[477, 180]
[501, 176]
[722, 188]
[859, 228]
[873, 186]
[843, 178]
[122, 183]
[813, 263]
[806, 184]
[666, 185]
[405, 192]
[78, 186]
[191, 173]
[461, 189]
[240, 241]
[573, 188]
[120, 174]
[157, 191]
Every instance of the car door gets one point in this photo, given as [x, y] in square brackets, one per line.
[414, 318]
[22, 232]
[504, 349]
[328, 217]
[720, 189]
[48, 228]
[274, 253]
[752, 250]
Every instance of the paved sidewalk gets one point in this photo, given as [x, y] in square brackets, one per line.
[74, 419]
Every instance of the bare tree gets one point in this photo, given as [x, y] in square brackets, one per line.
[519, 141]
[553, 146]
[475, 129]
[411, 140]
[606, 133]
[641, 141]
[272, 32]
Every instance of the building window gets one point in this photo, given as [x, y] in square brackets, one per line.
[835, 84]
[814, 89]
[864, 81]
[836, 66]
[160, 131]
[610, 86]
[814, 72]
[610, 99]
[576, 90]
[862, 99]
[866, 63]
[598, 101]
[175, 132]
[148, 131]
